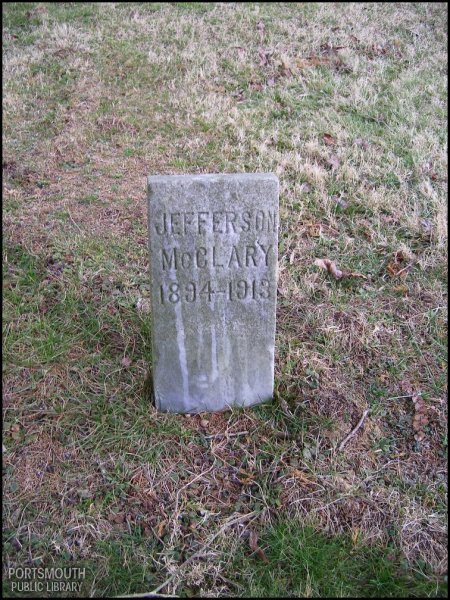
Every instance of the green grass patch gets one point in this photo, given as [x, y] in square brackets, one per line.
[302, 562]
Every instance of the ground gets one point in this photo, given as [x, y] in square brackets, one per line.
[347, 104]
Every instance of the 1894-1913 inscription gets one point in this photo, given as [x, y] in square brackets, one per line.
[213, 262]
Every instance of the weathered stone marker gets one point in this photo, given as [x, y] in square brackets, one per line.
[213, 264]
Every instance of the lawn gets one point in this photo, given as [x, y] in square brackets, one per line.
[347, 104]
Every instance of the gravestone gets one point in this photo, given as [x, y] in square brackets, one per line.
[213, 266]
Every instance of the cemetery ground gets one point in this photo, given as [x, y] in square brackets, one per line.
[346, 103]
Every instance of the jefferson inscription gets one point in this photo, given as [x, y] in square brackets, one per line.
[213, 265]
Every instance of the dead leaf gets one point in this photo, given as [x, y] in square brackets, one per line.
[160, 528]
[285, 66]
[271, 82]
[85, 494]
[261, 28]
[361, 142]
[116, 517]
[378, 50]
[218, 88]
[36, 11]
[256, 85]
[428, 169]
[253, 540]
[416, 425]
[143, 305]
[355, 274]
[339, 65]
[395, 267]
[401, 289]
[419, 405]
[329, 139]
[390, 219]
[247, 477]
[406, 387]
[126, 362]
[312, 61]
[264, 57]
[330, 49]
[392, 268]
[421, 416]
[427, 226]
[297, 474]
[239, 95]
[339, 201]
[334, 162]
[240, 51]
[314, 229]
[253, 543]
[330, 266]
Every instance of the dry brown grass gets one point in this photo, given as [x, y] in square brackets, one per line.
[98, 97]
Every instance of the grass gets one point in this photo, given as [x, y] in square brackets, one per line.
[347, 104]
[305, 563]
